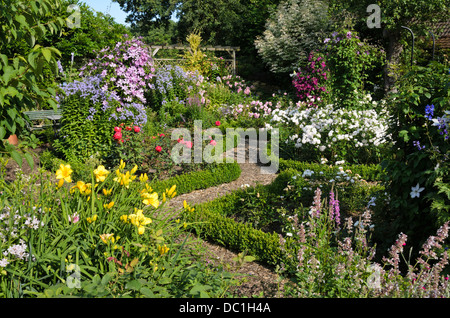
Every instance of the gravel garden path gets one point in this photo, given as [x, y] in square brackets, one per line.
[258, 279]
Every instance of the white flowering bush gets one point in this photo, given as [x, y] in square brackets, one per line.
[356, 136]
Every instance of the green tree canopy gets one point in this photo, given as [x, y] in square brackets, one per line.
[417, 15]
[95, 31]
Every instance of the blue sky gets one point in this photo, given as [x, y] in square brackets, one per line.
[110, 7]
[103, 6]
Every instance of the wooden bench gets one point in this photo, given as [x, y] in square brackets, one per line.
[38, 119]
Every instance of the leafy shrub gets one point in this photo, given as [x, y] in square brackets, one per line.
[253, 211]
[214, 175]
[86, 124]
[128, 145]
[291, 33]
[416, 170]
[95, 32]
[350, 60]
[23, 59]
[371, 172]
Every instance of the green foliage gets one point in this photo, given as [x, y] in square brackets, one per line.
[409, 166]
[199, 62]
[81, 244]
[21, 72]
[79, 137]
[350, 60]
[261, 213]
[237, 236]
[128, 146]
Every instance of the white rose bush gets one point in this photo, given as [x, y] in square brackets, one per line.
[356, 136]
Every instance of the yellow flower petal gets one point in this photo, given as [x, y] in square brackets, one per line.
[151, 199]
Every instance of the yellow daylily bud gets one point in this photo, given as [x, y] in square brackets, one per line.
[163, 249]
[108, 205]
[122, 164]
[171, 192]
[143, 177]
[106, 238]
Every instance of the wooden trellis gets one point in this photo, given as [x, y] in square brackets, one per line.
[230, 63]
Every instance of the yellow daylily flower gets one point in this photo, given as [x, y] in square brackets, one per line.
[134, 169]
[107, 192]
[100, 173]
[150, 199]
[64, 173]
[139, 220]
[84, 188]
[124, 218]
[187, 207]
[124, 179]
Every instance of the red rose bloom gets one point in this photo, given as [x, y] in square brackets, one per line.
[118, 135]
[137, 129]
[158, 148]
[217, 123]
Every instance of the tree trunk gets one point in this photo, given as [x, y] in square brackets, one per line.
[393, 51]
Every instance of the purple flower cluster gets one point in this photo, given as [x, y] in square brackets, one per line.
[309, 82]
[429, 111]
[416, 143]
[117, 78]
[441, 122]
[334, 209]
[131, 112]
[127, 69]
[172, 83]
[89, 87]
